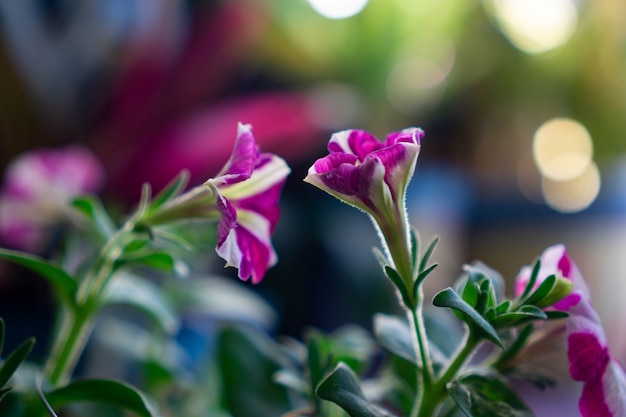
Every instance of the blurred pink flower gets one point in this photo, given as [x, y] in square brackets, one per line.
[248, 189]
[38, 187]
[604, 379]
[372, 175]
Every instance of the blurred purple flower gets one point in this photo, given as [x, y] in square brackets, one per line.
[38, 187]
[248, 189]
[590, 362]
[373, 175]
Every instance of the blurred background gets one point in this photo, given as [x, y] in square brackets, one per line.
[523, 103]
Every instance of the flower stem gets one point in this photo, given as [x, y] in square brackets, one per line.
[77, 322]
[433, 395]
[421, 341]
[68, 345]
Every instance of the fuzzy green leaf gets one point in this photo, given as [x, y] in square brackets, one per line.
[428, 253]
[450, 299]
[487, 395]
[395, 336]
[342, 388]
[92, 207]
[64, 285]
[171, 190]
[398, 282]
[542, 292]
[14, 360]
[146, 297]
[105, 391]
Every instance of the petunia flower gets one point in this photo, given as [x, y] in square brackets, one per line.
[373, 175]
[248, 189]
[37, 189]
[590, 362]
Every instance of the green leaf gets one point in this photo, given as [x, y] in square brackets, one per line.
[542, 291]
[487, 395]
[394, 335]
[154, 259]
[421, 277]
[398, 282]
[14, 360]
[171, 190]
[318, 358]
[562, 288]
[504, 306]
[471, 290]
[342, 388]
[129, 289]
[533, 279]
[105, 391]
[523, 315]
[450, 299]
[556, 315]
[92, 207]
[428, 253]
[248, 358]
[64, 285]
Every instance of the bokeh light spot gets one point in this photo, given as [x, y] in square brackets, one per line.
[562, 149]
[536, 26]
[338, 9]
[575, 194]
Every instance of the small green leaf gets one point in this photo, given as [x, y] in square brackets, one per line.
[64, 285]
[542, 291]
[92, 207]
[342, 388]
[131, 290]
[14, 360]
[395, 336]
[421, 277]
[318, 358]
[470, 293]
[154, 259]
[562, 288]
[398, 282]
[105, 391]
[171, 190]
[428, 253]
[556, 315]
[523, 315]
[450, 299]
[504, 306]
[487, 395]
[533, 279]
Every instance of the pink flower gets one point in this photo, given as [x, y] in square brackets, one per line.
[38, 188]
[248, 189]
[373, 175]
[604, 379]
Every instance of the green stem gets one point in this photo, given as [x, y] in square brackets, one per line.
[432, 397]
[68, 345]
[421, 341]
[77, 323]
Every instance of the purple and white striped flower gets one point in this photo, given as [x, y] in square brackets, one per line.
[38, 187]
[590, 362]
[248, 189]
[373, 175]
